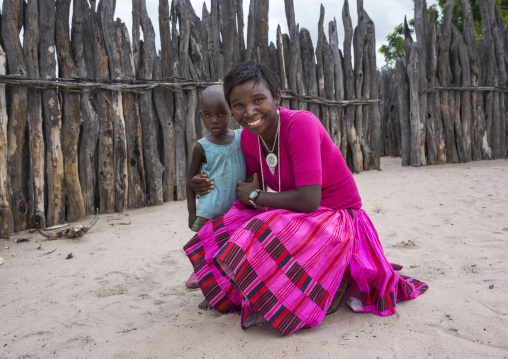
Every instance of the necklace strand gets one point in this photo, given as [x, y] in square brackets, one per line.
[276, 135]
[277, 139]
[271, 158]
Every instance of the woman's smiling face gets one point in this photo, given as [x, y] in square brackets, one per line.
[254, 108]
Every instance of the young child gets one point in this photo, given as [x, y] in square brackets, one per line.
[221, 158]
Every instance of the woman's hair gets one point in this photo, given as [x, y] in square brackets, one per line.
[250, 71]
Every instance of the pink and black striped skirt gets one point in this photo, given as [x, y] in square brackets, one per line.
[284, 267]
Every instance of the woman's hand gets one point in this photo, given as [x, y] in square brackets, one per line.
[201, 184]
[243, 189]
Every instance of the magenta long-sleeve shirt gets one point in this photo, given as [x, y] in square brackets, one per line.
[308, 157]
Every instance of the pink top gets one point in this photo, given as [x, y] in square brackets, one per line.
[308, 157]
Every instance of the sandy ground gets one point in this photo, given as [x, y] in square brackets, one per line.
[122, 294]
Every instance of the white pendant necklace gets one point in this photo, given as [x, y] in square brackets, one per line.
[271, 158]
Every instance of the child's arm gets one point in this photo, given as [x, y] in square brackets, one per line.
[197, 158]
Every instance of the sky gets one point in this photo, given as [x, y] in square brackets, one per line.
[386, 14]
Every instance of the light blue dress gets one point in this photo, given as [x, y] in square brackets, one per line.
[225, 165]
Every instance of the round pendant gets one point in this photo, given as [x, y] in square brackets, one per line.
[271, 160]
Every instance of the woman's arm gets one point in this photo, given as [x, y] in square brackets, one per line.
[304, 199]
[195, 165]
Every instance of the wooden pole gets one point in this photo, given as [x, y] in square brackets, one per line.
[164, 103]
[82, 49]
[51, 116]
[325, 111]
[179, 117]
[71, 115]
[149, 120]
[35, 132]
[339, 83]
[295, 73]
[352, 137]
[403, 109]
[6, 221]
[121, 181]
[105, 154]
[135, 152]
[309, 68]
[371, 91]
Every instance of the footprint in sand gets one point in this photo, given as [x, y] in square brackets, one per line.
[409, 244]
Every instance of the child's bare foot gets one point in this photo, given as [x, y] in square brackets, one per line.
[204, 305]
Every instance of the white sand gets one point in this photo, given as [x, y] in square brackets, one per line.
[123, 295]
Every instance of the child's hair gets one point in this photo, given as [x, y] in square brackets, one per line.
[250, 71]
[210, 90]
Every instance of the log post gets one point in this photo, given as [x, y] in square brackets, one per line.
[71, 114]
[11, 18]
[403, 109]
[189, 111]
[135, 152]
[295, 75]
[164, 103]
[149, 120]
[214, 46]
[445, 79]
[392, 125]
[384, 90]
[228, 31]
[281, 52]
[352, 136]
[179, 116]
[6, 221]
[105, 154]
[83, 55]
[240, 25]
[465, 96]
[489, 78]
[339, 82]
[121, 182]
[35, 134]
[325, 110]
[165, 115]
[135, 33]
[500, 79]
[433, 118]
[476, 137]
[420, 25]
[51, 115]
[309, 68]
[329, 71]
[417, 127]
[371, 112]
[459, 137]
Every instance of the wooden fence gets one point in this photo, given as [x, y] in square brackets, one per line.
[114, 129]
[448, 100]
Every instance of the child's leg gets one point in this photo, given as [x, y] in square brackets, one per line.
[192, 282]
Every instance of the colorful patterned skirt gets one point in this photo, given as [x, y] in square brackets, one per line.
[284, 267]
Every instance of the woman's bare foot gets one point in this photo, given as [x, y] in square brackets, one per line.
[204, 305]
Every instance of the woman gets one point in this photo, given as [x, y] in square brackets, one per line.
[297, 235]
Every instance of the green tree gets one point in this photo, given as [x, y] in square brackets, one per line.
[395, 46]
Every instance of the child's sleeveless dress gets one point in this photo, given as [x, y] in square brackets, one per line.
[225, 165]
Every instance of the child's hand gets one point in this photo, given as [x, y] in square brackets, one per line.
[201, 184]
[243, 189]
[192, 219]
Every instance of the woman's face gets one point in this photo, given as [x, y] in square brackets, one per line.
[254, 108]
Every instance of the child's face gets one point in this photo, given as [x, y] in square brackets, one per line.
[215, 113]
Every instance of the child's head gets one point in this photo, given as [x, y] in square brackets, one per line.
[214, 110]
